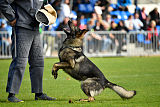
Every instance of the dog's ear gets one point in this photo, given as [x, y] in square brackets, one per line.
[82, 33]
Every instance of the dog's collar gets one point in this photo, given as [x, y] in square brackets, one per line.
[75, 48]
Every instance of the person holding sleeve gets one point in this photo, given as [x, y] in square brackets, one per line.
[26, 46]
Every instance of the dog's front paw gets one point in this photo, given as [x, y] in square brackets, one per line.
[55, 74]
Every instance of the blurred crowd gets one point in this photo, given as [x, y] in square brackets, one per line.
[102, 15]
[5, 36]
[98, 15]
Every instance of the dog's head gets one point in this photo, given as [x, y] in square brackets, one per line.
[74, 35]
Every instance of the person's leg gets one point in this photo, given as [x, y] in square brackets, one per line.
[18, 64]
[107, 44]
[36, 62]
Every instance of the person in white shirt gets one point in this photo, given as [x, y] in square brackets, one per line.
[129, 23]
[137, 23]
[65, 10]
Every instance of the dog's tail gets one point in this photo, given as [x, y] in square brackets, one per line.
[122, 92]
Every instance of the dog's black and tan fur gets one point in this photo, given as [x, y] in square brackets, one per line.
[78, 66]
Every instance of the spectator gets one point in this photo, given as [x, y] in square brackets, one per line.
[147, 23]
[113, 26]
[106, 43]
[122, 37]
[94, 16]
[143, 15]
[92, 22]
[98, 26]
[93, 38]
[83, 22]
[102, 6]
[121, 26]
[153, 35]
[106, 39]
[152, 28]
[65, 10]
[154, 14]
[129, 23]
[130, 26]
[3, 25]
[115, 37]
[107, 22]
[137, 22]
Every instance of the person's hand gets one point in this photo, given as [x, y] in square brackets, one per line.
[13, 23]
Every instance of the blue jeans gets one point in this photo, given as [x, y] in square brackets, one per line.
[28, 48]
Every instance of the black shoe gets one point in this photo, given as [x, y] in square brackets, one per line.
[14, 99]
[43, 97]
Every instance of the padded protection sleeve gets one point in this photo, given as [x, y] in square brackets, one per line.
[47, 16]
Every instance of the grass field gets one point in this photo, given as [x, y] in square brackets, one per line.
[138, 73]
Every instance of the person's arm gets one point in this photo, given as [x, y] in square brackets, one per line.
[140, 23]
[7, 11]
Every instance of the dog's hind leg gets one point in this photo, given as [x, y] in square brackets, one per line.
[57, 66]
[91, 87]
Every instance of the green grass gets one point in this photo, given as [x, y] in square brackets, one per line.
[138, 73]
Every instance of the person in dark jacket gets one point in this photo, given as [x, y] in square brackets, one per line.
[26, 45]
[154, 14]
[121, 26]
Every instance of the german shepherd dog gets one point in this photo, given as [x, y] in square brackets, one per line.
[79, 67]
